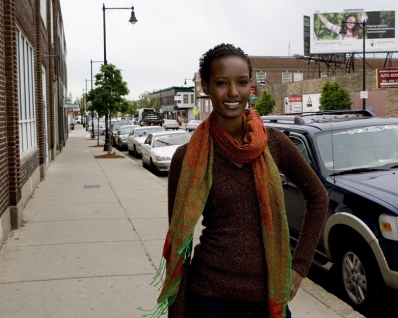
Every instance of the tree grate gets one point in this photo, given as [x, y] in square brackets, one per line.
[91, 186]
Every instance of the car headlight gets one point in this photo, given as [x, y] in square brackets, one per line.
[389, 226]
[123, 138]
[162, 158]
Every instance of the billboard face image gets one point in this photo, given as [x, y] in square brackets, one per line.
[343, 32]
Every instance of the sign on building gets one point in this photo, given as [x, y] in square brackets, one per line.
[293, 104]
[311, 102]
[387, 77]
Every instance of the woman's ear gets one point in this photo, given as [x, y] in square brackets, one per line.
[205, 87]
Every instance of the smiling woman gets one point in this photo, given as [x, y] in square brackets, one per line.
[229, 172]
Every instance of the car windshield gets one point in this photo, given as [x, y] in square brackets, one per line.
[372, 147]
[171, 122]
[125, 130]
[195, 122]
[170, 140]
[146, 131]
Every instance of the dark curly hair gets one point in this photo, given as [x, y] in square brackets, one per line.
[218, 52]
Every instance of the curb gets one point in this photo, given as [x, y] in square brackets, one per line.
[329, 300]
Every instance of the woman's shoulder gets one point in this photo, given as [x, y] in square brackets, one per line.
[179, 154]
[275, 135]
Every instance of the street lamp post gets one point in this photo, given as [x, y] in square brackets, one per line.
[185, 81]
[92, 113]
[343, 31]
[132, 20]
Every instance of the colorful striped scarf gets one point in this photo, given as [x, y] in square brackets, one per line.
[192, 192]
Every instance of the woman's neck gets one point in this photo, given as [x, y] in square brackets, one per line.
[234, 128]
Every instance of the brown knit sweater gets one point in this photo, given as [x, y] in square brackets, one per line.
[229, 262]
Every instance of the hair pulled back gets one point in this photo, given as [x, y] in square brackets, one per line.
[220, 51]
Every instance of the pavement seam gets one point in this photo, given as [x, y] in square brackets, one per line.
[72, 278]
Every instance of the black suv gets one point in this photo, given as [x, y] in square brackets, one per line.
[355, 155]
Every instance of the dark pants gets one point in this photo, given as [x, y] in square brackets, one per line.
[204, 307]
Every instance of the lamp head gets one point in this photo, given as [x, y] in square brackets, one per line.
[133, 19]
[185, 82]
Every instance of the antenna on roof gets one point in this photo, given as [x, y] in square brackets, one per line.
[288, 51]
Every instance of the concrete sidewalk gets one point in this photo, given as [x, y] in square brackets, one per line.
[92, 240]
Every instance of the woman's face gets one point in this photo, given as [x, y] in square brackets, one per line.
[350, 22]
[228, 88]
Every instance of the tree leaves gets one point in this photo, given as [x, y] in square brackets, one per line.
[334, 97]
[265, 105]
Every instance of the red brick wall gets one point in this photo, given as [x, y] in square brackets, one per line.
[4, 200]
[11, 98]
[38, 83]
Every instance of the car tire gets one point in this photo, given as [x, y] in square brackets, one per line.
[130, 152]
[362, 282]
[136, 153]
[153, 167]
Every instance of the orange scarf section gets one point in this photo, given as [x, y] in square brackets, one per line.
[192, 191]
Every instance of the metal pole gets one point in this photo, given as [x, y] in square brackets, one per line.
[103, 14]
[105, 63]
[92, 112]
[363, 65]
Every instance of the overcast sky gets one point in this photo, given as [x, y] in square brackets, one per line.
[163, 48]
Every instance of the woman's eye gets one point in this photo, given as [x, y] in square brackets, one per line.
[244, 82]
[221, 83]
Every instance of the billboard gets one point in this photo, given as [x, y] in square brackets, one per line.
[343, 32]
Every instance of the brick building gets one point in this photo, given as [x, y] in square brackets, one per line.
[286, 76]
[176, 102]
[32, 89]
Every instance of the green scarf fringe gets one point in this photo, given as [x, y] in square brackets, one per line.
[160, 309]
[186, 248]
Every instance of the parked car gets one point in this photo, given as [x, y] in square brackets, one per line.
[171, 124]
[355, 155]
[115, 128]
[137, 136]
[159, 147]
[99, 129]
[122, 134]
[192, 124]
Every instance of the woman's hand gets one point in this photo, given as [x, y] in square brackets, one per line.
[323, 19]
[296, 281]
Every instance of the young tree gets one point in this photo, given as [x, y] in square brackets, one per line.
[107, 97]
[334, 97]
[265, 105]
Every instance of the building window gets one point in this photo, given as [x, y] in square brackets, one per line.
[261, 78]
[192, 101]
[286, 77]
[297, 77]
[185, 96]
[26, 94]
[43, 11]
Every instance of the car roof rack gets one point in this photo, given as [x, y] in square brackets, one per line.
[299, 118]
[288, 118]
[341, 112]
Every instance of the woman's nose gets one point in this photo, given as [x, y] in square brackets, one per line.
[232, 90]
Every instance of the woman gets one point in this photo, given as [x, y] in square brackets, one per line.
[351, 25]
[228, 173]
